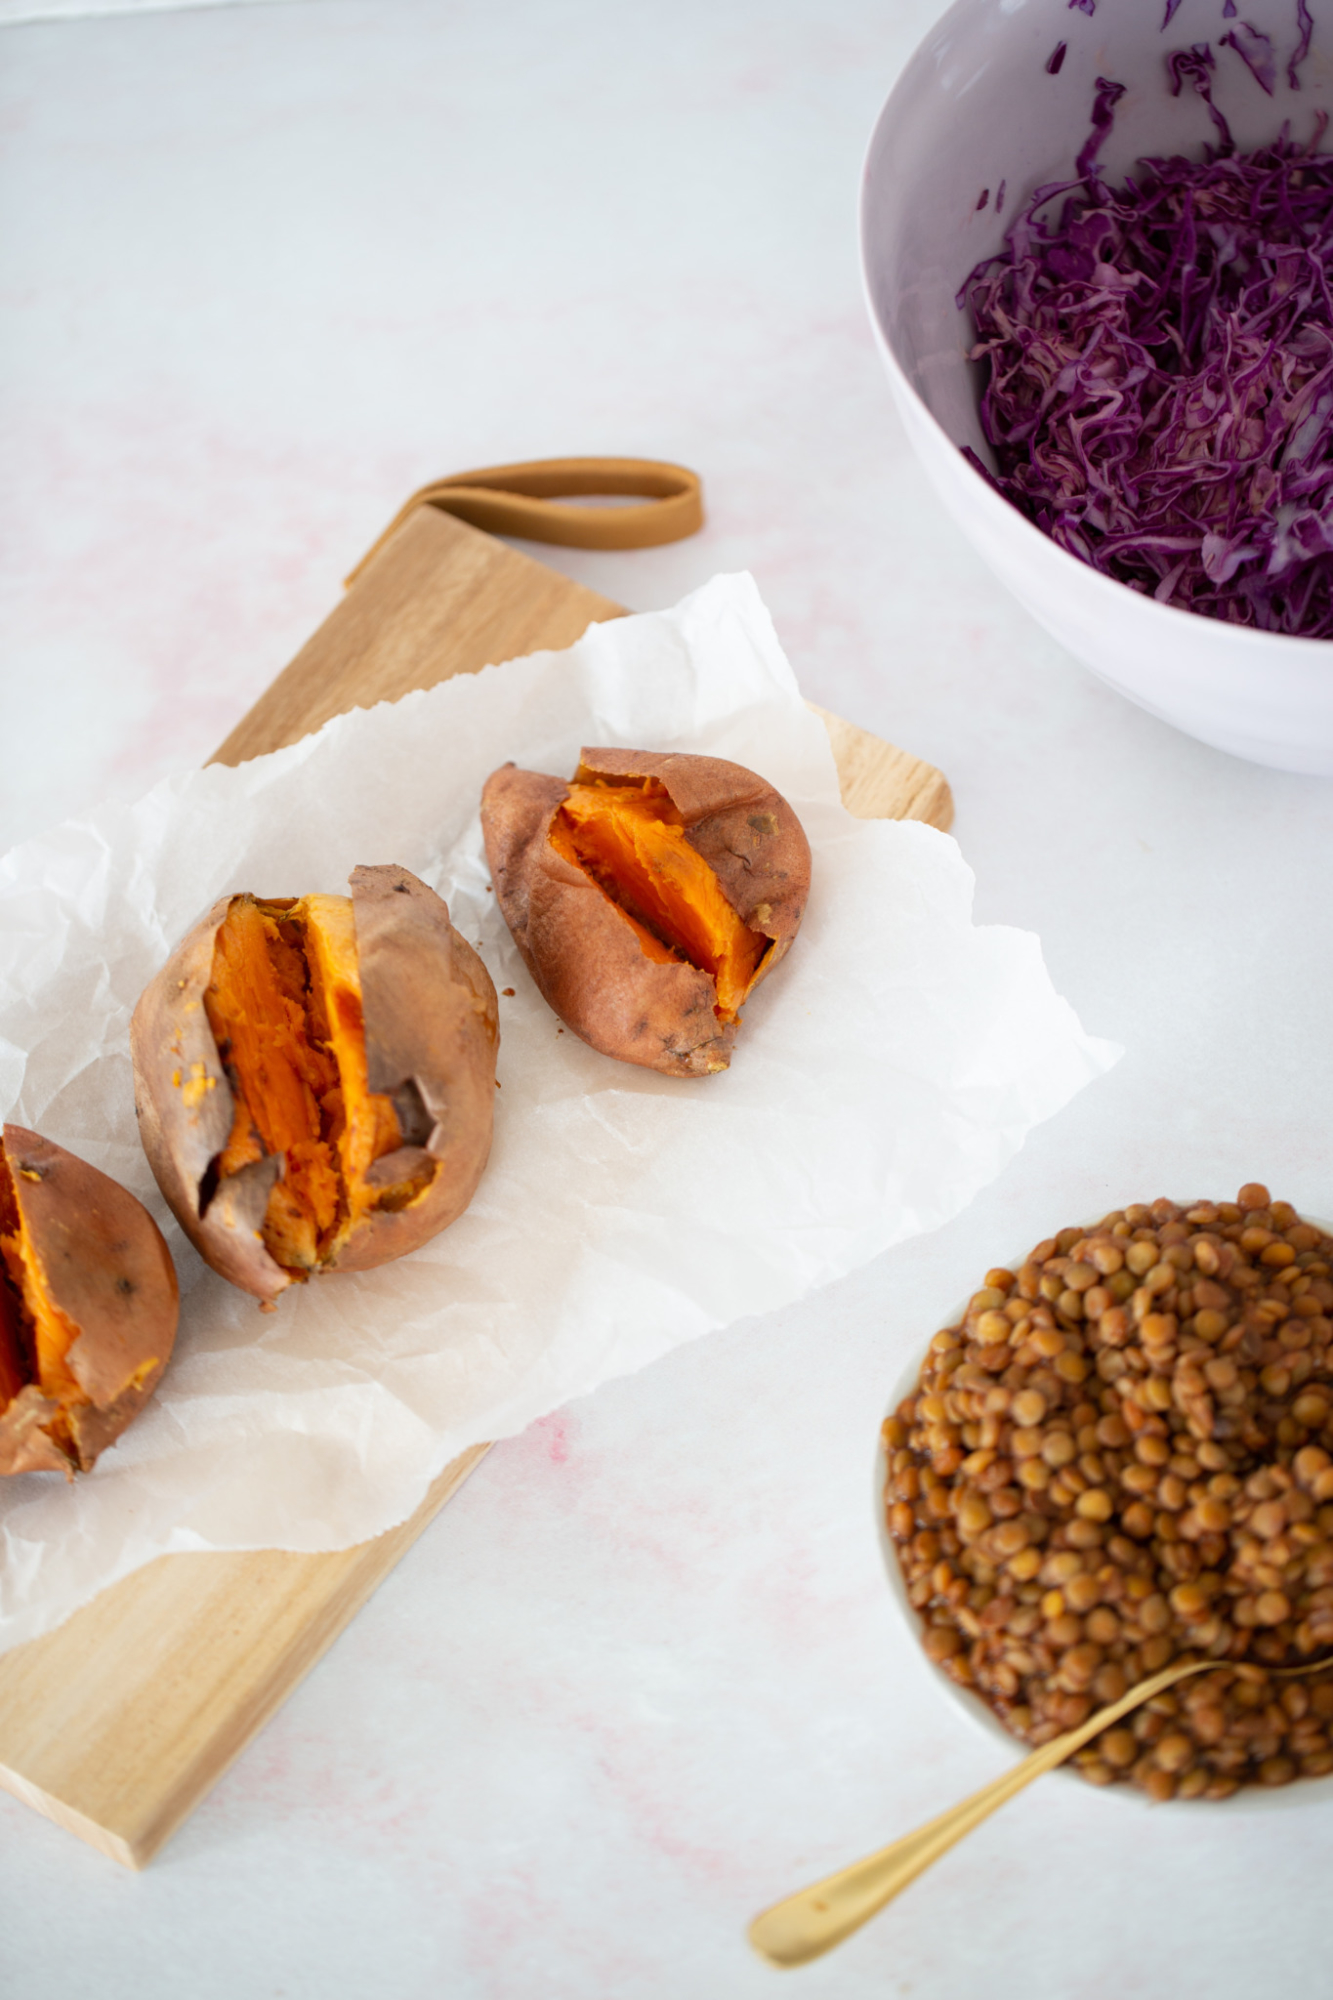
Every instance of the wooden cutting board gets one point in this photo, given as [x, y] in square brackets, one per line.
[118, 1723]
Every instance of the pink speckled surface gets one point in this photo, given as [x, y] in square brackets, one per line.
[266, 269]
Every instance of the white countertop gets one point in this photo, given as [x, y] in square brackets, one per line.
[266, 270]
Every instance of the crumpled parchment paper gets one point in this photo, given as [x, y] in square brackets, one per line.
[883, 1076]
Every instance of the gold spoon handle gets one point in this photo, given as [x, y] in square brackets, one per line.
[811, 1922]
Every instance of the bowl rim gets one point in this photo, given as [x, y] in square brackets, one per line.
[1302, 1792]
[1244, 638]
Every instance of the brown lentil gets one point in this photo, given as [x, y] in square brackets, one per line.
[1121, 1456]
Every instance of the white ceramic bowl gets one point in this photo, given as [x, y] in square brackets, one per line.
[1250, 1798]
[975, 107]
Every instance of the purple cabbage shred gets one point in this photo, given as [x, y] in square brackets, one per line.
[1305, 22]
[1229, 10]
[1055, 61]
[1194, 65]
[1159, 375]
[1105, 99]
[1171, 6]
[1256, 52]
[1084, 6]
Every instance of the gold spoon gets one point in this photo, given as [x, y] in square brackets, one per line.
[811, 1922]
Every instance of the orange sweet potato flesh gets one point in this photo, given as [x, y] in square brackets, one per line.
[631, 840]
[40, 1334]
[649, 896]
[16, 1329]
[315, 1079]
[284, 1005]
[13, 1360]
[88, 1307]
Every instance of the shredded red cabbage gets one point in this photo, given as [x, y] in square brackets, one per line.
[1159, 364]
[1305, 20]
[1256, 52]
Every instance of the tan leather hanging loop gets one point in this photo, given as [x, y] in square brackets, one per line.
[522, 500]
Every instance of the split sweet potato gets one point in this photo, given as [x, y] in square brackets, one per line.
[315, 1079]
[649, 896]
[88, 1307]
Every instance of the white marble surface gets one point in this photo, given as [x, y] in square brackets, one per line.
[60, 10]
[266, 269]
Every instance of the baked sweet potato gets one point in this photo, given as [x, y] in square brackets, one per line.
[315, 1079]
[649, 896]
[88, 1307]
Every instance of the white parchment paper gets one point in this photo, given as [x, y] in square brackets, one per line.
[883, 1075]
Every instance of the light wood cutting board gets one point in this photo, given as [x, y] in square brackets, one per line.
[117, 1724]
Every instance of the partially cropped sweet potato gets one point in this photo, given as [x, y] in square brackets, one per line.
[649, 896]
[88, 1307]
[315, 1079]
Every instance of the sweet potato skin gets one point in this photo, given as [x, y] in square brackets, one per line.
[185, 1107]
[585, 957]
[431, 1029]
[436, 1055]
[25, 1444]
[109, 1271]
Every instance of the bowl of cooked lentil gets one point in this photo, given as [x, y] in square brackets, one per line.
[1119, 1454]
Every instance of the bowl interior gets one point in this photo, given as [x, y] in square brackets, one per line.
[1304, 1792]
[977, 110]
